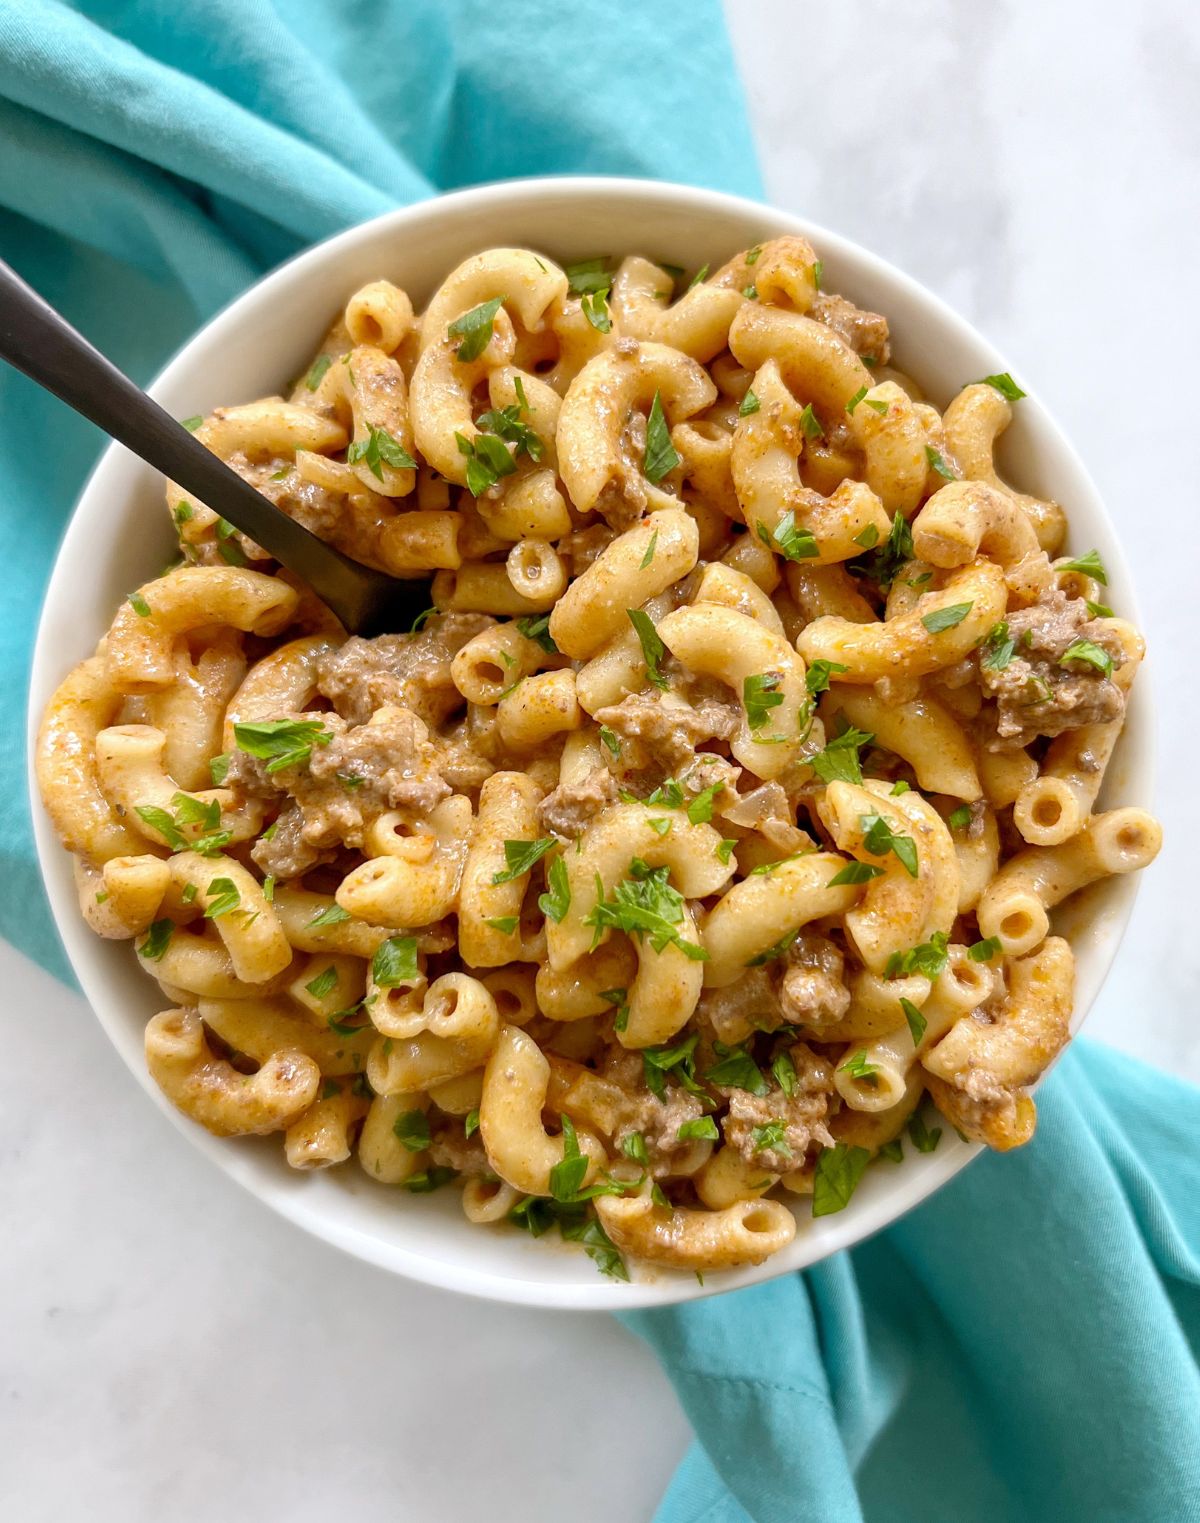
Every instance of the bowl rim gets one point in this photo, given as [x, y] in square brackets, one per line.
[909, 1187]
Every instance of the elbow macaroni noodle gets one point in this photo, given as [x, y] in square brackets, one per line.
[713, 819]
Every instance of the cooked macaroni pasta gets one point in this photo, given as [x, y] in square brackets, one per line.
[713, 817]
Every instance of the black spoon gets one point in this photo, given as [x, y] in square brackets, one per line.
[37, 340]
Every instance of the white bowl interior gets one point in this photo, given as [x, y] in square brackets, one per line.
[120, 536]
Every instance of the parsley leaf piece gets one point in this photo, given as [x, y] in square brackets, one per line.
[1098, 610]
[1005, 385]
[319, 366]
[471, 1123]
[818, 270]
[793, 543]
[645, 904]
[650, 549]
[899, 787]
[837, 1175]
[893, 1151]
[412, 1128]
[588, 275]
[839, 761]
[595, 309]
[379, 449]
[855, 872]
[193, 423]
[699, 277]
[660, 827]
[597, 1244]
[395, 962]
[928, 959]
[139, 605]
[520, 857]
[281, 742]
[505, 924]
[998, 649]
[339, 1021]
[633, 1145]
[736, 1069]
[557, 900]
[429, 1180]
[659, 1061]
[475, 328]
[916, 1021]
[858, 1066]
[773, 1135]
[784, 1071]
[505, 423]
[703, 1128]
[879, 839]
[538, 628]
[883, 564]
[661, 455]
[1087, 565]
[218, 768]
[158, 939]
[323, 984]
[816, 679]
[934, 460]
[924, 1140]
[653, 648]
[946, 618]
[749, 404]
[960, 818]
[619, 1000]
[725, 850]
[985, 950]
[869, 537]
[1090, 653]
[332, 914]
[751, 255]
[759, 697]
[700, 810]
[268, 888]
[160, 820]
[772, 953]
[610, 740]
[810, 424]
[569, 1173]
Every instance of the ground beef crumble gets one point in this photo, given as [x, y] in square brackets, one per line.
[407, 671]
[803, 1114]
[812, 991]
[865, 332]
[1035, 693]
[659, 732]
[571, 807]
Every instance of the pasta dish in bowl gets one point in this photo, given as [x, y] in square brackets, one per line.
[689, 872]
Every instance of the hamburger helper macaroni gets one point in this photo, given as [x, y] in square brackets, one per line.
[710, 820]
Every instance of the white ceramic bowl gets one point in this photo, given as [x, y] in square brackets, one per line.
[120, 536]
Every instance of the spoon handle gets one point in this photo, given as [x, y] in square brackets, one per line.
[37, 340]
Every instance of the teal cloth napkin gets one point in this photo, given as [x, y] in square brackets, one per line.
[1024, 1345]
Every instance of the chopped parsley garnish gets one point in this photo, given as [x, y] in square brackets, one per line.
[883, 564]
[668, 792]
[610, 740]
[959, 818]
[751, 256]
[946, 618]
[188, 894]
[488, 458]
[749, 404]
[924, 1140]
[188, 811]
[929, 958]
[773, 953]
[855, 872]
[568, 1175]
[702, 1128]
[193, 423]
[661, 455]
[700, 810]
[281, 742]
[218, 768]
[139, 605]
[644, 904]
[324, 983]
[505, 924]
[1005, 385]
[810, 424]
[519, 857]
[836, 1177]
[935, 462]
[588, 275]
[471, 1123]
[736, 1069]
[725, 850]
[818, 270]
[816, 679]
[633, 1145]
[653, 648]
[268, 888]
[1090, 653]
[858, 1066]
[183, 512]
[1087, 565]
[537, 627]
[998, 649]
[412, 1128]
[619, 1000]
[429, 1180]
[379, 449]
[750, 292]
[395, 962]
[505, 423]
[475, 328]
[650, 549]
[760, 696]
[899, 787]
[861, 396]
[319, 366]
[878, 838]
[773, 1135]
[916, 1021]
[784, 1071]
[158, 939]
[556, 901]
[595, 309]
[699, 277]
[793, 543]
[332, 914]
[869, 537]
[839, 761]
[893, 1151]
[985, 950]
[660, 827]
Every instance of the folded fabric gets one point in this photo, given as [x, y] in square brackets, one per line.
[1021, 1347]
[158, 157]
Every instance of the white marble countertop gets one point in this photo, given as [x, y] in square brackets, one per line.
[170, 1350]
